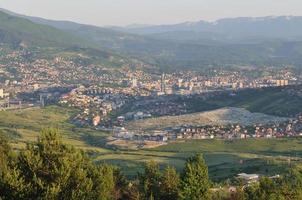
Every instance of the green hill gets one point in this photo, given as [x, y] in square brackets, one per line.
[278, 101]
[16, 31]
[45, 42]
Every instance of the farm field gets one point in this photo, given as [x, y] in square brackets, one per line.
[221, 165]
[283, 146]
[224, 158]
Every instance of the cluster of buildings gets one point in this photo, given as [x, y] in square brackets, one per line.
[290, 128]
[190, 82]
[100, 92]
[94, 108]
[155, 135]
[19, 74]
[24, 75]
[154, 106]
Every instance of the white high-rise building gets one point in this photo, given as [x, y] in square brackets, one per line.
[134, 82]
[1, 93]
[163, 83]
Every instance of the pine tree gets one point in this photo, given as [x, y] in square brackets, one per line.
[50, 170]
[170, 183]
[195, 180]
[150, 180]
[103, 179]
[54, 170]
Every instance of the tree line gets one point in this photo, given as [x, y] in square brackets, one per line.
[49, 169]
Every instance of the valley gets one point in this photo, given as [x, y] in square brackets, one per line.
[201, 110]
[225, 158]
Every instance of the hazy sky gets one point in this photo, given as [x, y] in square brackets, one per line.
[124, 12]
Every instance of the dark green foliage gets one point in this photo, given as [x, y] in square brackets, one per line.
[121, 184]
[228, 195]
[4, 151]
[49, 169]
[149, 180]
[170, 183]
[291, 184]
[265, 189]
[156, 185]
[195, 180]
[4, 158]
[104, 182]
[52, 170]
[280, 101]
[288, 187]
[133, 192]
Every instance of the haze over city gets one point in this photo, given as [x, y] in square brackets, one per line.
[151, 99]
[125, 12]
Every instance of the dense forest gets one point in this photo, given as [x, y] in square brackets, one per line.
[49, 169]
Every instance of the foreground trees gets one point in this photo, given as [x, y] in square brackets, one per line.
[195, 180]
[192, 185]
[170, 184]
[156, 185]
[286, 188]
[4, 153]
[50, 170]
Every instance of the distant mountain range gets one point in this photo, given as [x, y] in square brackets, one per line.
[194, 45]
[227, 30]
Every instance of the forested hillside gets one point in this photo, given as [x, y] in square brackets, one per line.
[197, 45]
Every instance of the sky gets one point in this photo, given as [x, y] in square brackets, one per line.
[126, 12]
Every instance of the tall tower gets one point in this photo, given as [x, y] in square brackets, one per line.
[163, 83]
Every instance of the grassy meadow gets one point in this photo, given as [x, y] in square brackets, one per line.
[224, 158]
[24, 126]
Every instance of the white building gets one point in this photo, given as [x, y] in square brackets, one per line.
[248, 178]
[3, 94]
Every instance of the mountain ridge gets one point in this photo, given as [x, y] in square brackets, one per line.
[18, 30]
[226, 30]
[192, 50]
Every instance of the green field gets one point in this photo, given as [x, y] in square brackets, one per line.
[23, 126]
[224, 158]
[284, 146]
